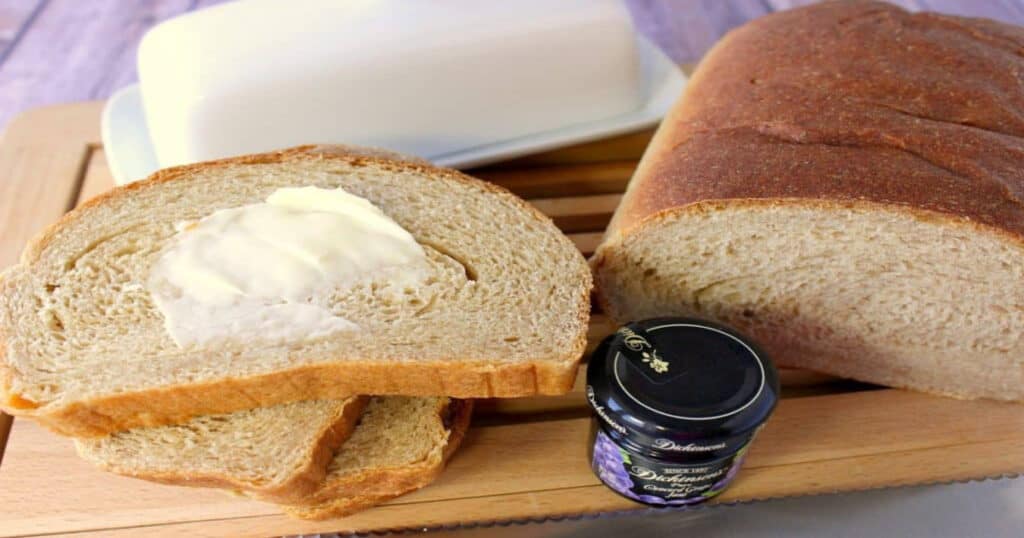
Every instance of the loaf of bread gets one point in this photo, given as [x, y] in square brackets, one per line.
[844, 182]
[83, 348]
[399, 444]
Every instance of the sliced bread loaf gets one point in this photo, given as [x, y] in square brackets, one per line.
[278, 453]
[83, 348]
[400, 445]
[845, 183]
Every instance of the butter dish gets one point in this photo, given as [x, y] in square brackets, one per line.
[522, 79]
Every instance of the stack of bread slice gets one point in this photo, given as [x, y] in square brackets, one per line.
[323, 426]
[317, 459]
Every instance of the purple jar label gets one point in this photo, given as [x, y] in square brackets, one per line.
[659, 483]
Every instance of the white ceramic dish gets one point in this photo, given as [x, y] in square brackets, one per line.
[130, 153]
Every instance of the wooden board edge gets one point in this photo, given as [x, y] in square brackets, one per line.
[973, 451]
[76, 140]
[6, 422]
[577, 501]
[67, 118]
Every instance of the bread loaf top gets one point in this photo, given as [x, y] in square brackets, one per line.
[848, 102]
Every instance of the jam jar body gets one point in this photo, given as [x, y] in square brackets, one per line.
[666, 479]
[677, 403]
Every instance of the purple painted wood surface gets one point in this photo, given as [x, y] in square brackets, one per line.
[54, 51]
[14, 18]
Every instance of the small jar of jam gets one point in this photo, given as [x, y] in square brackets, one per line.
[676, 404]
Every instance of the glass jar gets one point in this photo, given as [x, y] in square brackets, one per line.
[676, 404]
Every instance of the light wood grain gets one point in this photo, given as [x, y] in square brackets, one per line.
[627, 147]
[97, 178]
[562, 180]
[811, 445]
[579, 213]
[905, 468]
[42, 157]
[587, 241]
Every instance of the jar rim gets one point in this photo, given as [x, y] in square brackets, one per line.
[703, 326]
[745, 370]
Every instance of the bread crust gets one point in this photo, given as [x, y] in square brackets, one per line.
[174, 405]
[307, 480]
[367, 489]
[157, 406]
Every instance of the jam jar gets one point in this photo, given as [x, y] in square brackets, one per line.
[676, 404]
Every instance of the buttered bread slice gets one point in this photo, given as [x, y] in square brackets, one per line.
[235, 284]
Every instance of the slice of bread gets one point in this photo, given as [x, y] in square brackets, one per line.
[278, 453]
[400, 445]
[83, 349]
[291, 453]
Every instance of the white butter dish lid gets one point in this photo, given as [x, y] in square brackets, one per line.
[527, 76]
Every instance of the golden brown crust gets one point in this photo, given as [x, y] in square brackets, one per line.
[847, 101]
[177, 404]
[168, 405]
[395, 481]
[299, 486]
[372, 488]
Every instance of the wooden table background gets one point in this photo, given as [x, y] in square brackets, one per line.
[57, 51]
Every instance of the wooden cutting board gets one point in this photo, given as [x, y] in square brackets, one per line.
[523, 458]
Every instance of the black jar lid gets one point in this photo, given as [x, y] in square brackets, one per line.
[667, 386]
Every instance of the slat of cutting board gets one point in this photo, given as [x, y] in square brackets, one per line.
[532, 469]
[578, 179]
[625, 147]
[579, 213]
[800, 479]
